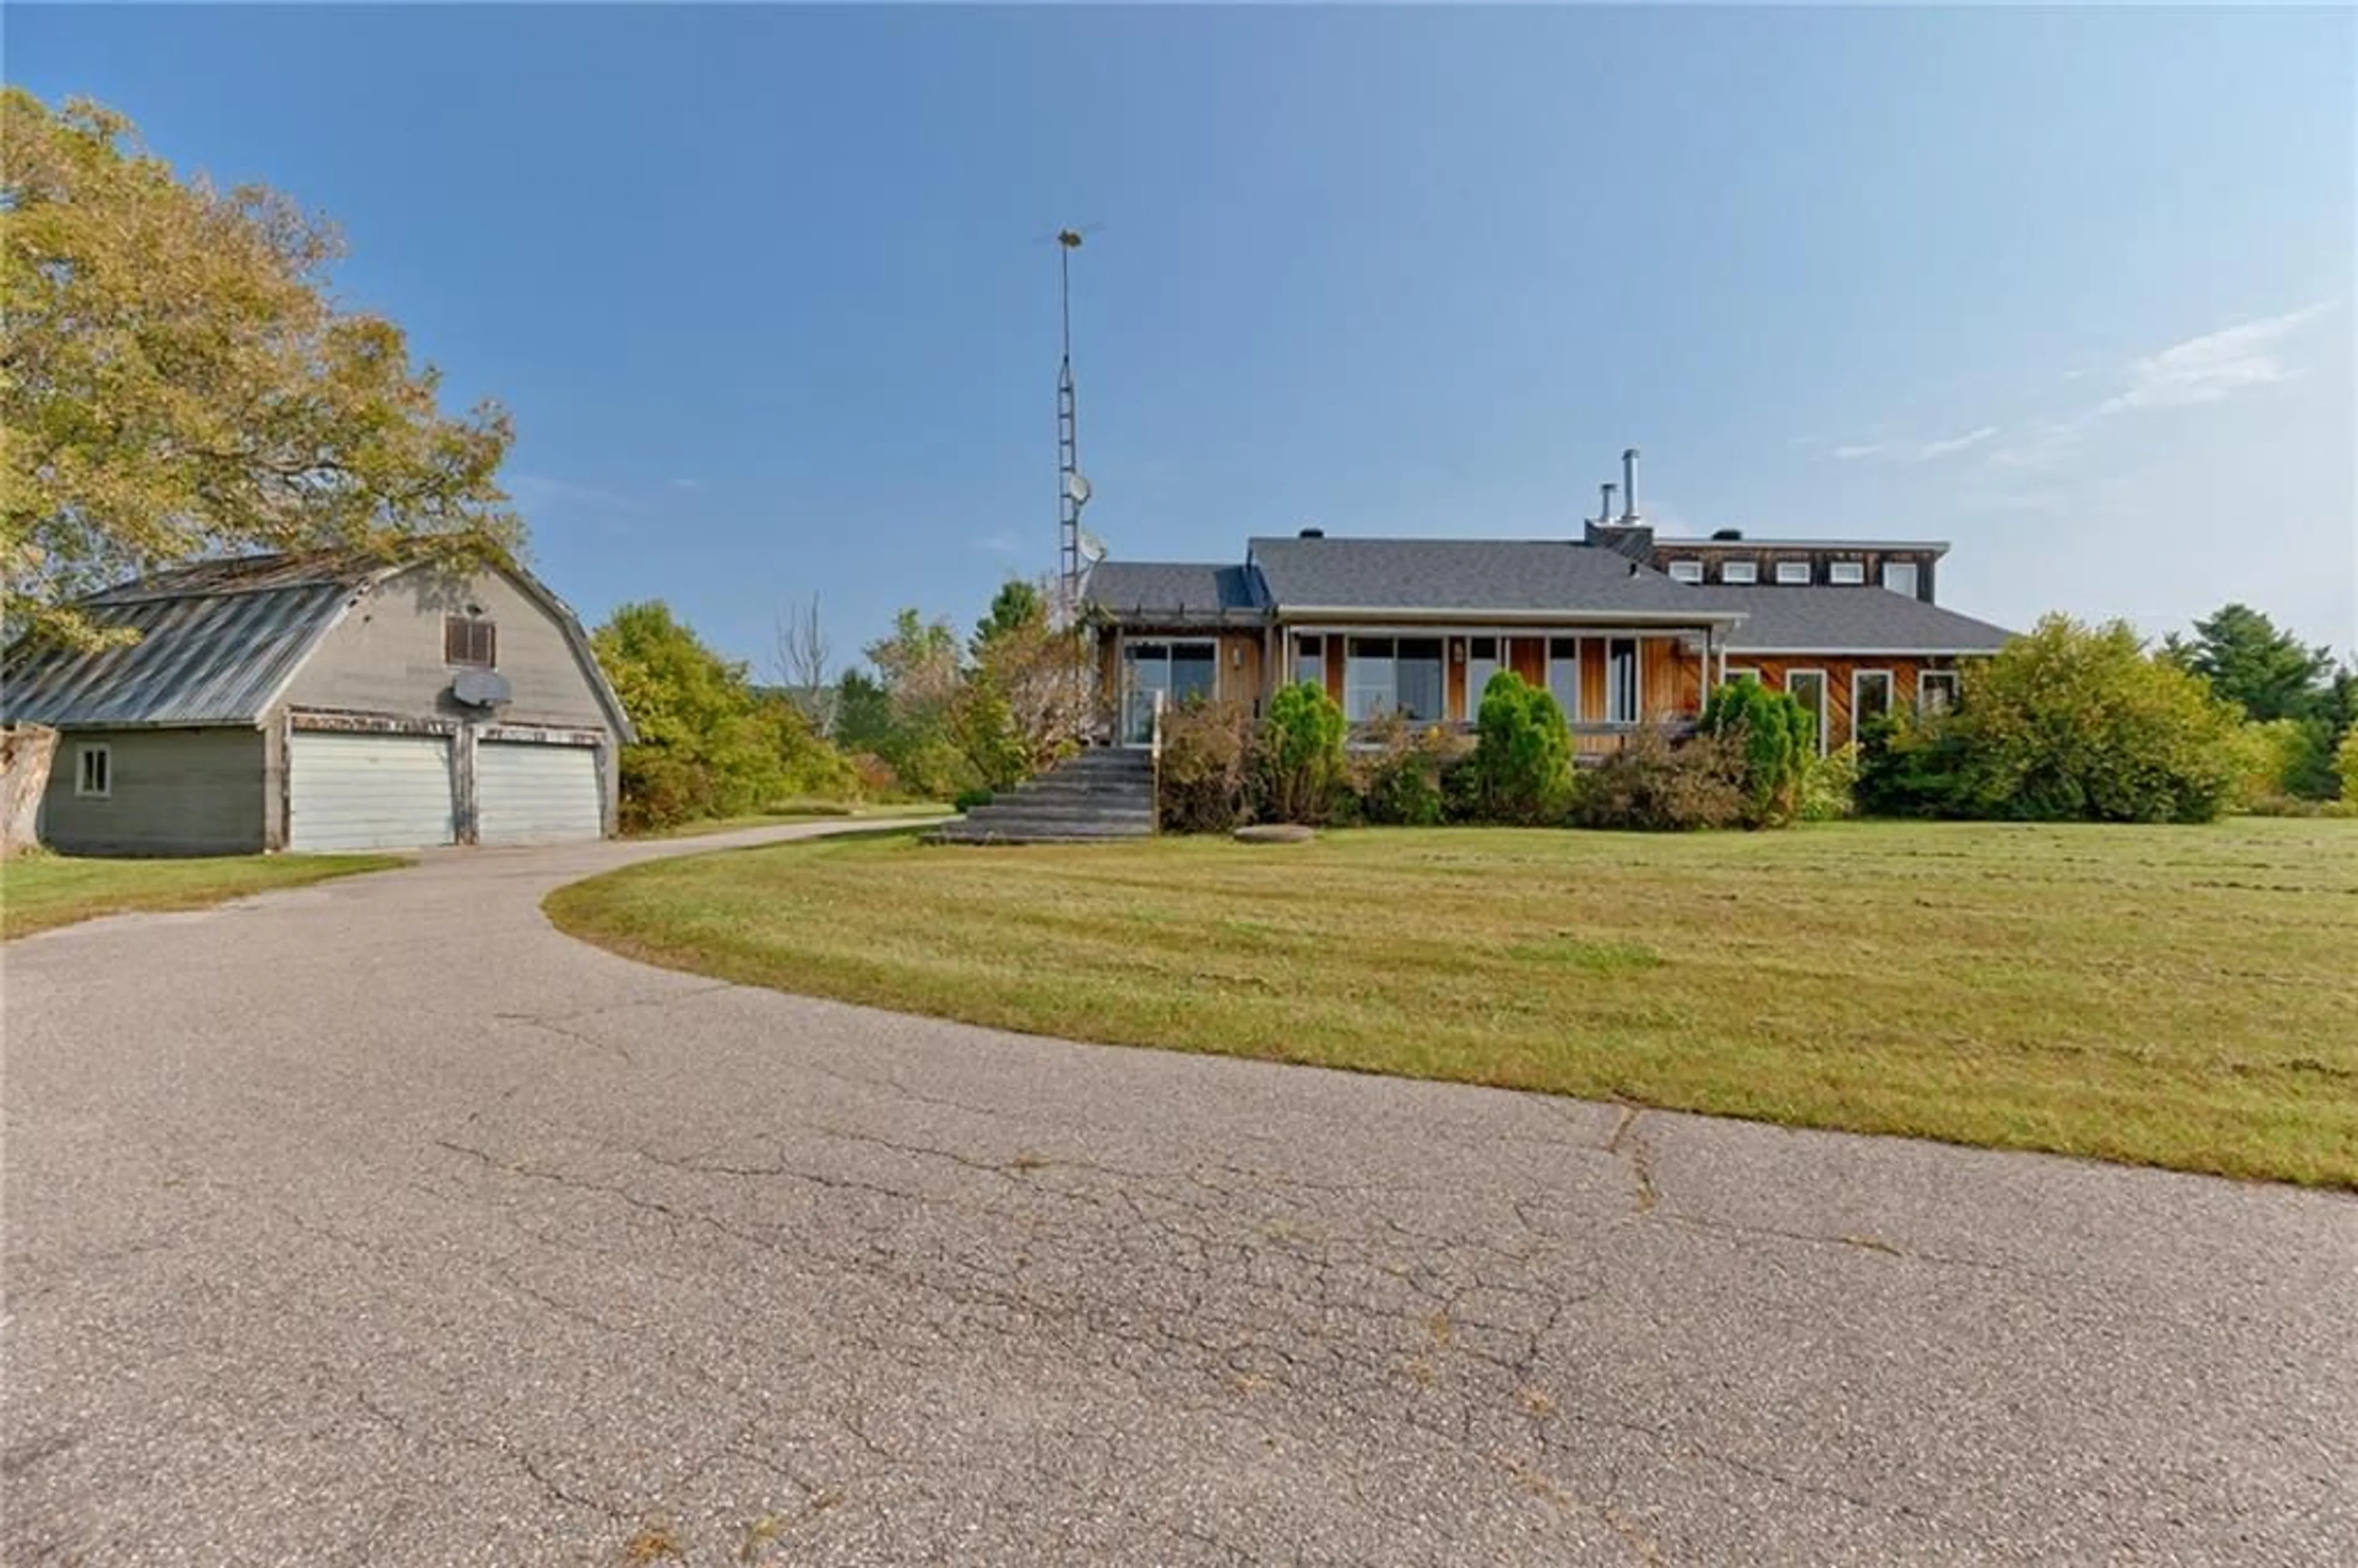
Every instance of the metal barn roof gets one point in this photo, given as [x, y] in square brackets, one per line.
[216, 642]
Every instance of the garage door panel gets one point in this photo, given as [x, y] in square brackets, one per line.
[527, 792]
[368, 792]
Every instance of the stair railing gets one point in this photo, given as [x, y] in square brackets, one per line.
[1155, 753]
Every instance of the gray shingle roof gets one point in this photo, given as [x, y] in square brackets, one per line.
[1824, 619]
[1468, 576]
[1172, 589]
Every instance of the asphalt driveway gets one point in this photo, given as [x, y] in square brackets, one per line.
[377, 1224]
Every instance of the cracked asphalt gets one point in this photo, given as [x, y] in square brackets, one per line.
[377, 1223]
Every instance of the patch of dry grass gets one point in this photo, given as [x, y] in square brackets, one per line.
[2180, 996]
[44, 891]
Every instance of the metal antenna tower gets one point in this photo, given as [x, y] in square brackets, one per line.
[1072, 489]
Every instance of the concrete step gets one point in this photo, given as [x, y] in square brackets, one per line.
[1113, 821]
[1023, 832]
[1085, 821]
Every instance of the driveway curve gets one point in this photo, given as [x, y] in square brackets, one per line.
[378, 1223]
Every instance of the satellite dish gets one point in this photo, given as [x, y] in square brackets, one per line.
[1093, 549]
[479, 688]
[1077, 489]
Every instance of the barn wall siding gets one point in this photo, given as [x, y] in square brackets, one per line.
[385, 655]
[175, 792]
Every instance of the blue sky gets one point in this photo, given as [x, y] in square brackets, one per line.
[769, 295]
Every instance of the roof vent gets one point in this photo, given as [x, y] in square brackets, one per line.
[1728, 534]
[1314, 533]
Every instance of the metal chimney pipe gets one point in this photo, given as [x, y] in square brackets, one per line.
[1604, 511]
[1629, 484]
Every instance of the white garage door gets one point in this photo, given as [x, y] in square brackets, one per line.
[532, 793]
[368, 792]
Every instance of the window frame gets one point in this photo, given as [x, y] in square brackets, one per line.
[85, 753]
[1795, 574]
[1392, 661]
[1686, 570]
[1825, 688]
[463, 630]
[1846, 574]
[1637, 683]
[1572, 714]
[1948, 678]
[1317, 640]
[1498, 662]
[1890, 695]
[1915, 571]
[1750, 570]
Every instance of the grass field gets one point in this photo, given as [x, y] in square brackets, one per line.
[44, 891]
[2179, 997]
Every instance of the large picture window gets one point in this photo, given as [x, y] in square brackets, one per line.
[1310, 660]
[1622, 693]
[1482, 661]
[1808, 688]
[1392, 674]
[1180, 672]
[1870, 699]
[1563, 676]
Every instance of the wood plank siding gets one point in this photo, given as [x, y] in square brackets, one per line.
[1775, 672]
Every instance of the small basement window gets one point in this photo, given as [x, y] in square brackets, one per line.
[1850, 573]
[1686, 571]
[470, 640]
[1792, 572]
[94, 772]
[1739, 571]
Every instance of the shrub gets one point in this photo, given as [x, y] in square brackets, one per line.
[877, 779]
[968, 799]
[2067, 723]
[1522, 753]
[1913, 767]
[1399, 780]
[1829, 784]
[2071, 722]
[1655, 787]
[1776, 735]
[1301, 763]
[1207, 750]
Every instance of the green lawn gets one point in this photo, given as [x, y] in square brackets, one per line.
[43, 891]
[2184, 996]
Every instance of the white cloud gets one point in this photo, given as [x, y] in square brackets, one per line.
[1932, 449]
[2211, 367]
[1914, 451]
[2200, 369]
[2043, 447]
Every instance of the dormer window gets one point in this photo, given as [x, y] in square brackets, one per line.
[470, 640]
[1739, 571]
[1686, 571]
[1791, 573]
[1900, 577]
[1848, 573]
